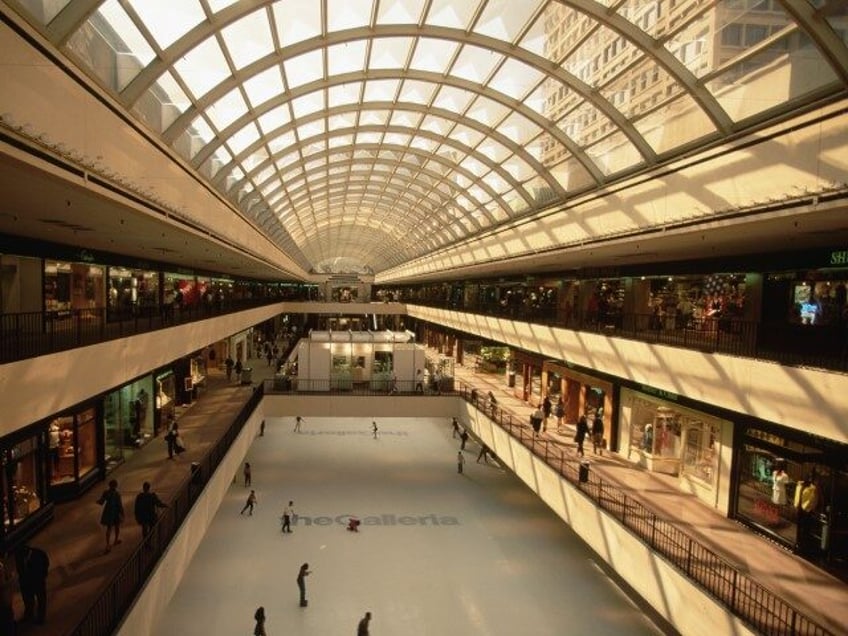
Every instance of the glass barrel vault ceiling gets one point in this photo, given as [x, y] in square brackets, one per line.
[360, 134]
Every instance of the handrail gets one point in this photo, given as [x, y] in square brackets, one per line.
[759, 607]
[824, 347]
[109, 608]
[762, 609]
[37, 333]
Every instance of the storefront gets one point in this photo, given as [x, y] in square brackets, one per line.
[23, 486]
[793, 487]
[127, 420]
[664, 436]
[581, 394]
[132, 292]
[73, 286]
[72, 442]
[528, 368]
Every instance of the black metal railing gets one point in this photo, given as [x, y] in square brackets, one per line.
[345, 385]
[31, 334]
[760, 608]
[109, 608]
[820, 346]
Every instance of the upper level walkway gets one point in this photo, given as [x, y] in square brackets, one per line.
[81, 571]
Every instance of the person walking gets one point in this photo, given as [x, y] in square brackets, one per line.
[33, 564]
[463, 439]
[598, 433]
[297, 422]
[559, 412]
[238, 369]
[288, 513]
[364, 622]
[112, 515]
[460, 461]
[455, 425]
[547, 405]
[248, 505]
[262, 429]
[301, 583]
[483, 454]
[171, 436]
[229, 364]
[580, 435]
[146, 503]
[247, 474]
[374, 429]
[259, 617]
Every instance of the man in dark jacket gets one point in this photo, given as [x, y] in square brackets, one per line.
[146, 503]
[32, 566]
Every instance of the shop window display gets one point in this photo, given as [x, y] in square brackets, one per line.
[21, 489]
[73, 446]
[675, 440]
[166, 392]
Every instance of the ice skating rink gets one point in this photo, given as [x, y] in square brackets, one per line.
[437, 553]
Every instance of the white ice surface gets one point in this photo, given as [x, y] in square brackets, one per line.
[498, 561]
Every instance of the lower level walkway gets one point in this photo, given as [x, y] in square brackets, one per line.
[80, 569]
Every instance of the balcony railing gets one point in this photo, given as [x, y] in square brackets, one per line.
[38, 333]
[824, 347]
[109, 608]
[760, 608]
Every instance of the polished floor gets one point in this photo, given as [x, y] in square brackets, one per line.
[437, 552]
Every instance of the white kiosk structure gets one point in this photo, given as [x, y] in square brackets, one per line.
[344, 360]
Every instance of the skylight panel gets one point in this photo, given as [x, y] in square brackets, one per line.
[396, 139]
[167, 20]
[305, 68]
[516, 79]
[417, 92]
[297, 20]
[389, 53]
[274, 119]
[437, 125]
[343, 94]
[368, 138]
[433, 55]
[504, 19]
[495, 151]
[453, 99]
[227, 109]
[486, 111]
[264, 86]
[380, 90]
[243, 138]
[129, 40]
[248, 39]
[341, 121]
[405, 118]
[346, 58]
[348, 14]
[311, 129]
[203, 68]
[308, 104]
[449, 13]
[373, 117]
[219, 5]
[281, 142]
[400, 12]
[475, 64]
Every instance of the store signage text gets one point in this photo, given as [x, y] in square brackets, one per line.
[666, 395]
[839, 258]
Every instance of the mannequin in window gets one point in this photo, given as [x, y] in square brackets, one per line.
[778, 486]
[648, 437]
[53, 435]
